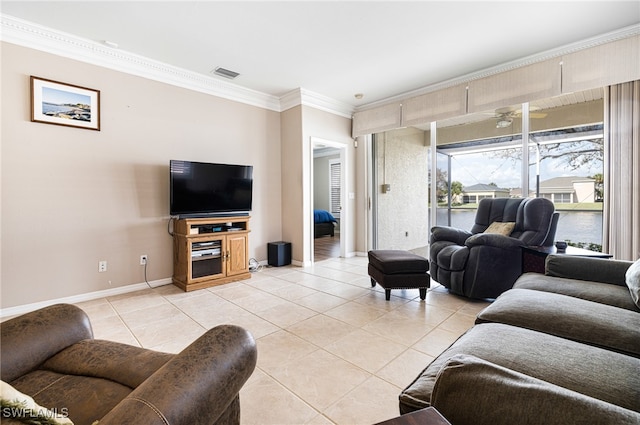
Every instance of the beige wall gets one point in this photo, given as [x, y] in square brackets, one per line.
[292, 226]
[72, 197]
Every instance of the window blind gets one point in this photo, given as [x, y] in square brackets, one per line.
[446, 103]
[376, 120]
[532, 82]
[600, 66]
[335, 170]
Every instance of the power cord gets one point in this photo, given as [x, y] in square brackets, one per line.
[170, 226]
[145, 273]
[254, 265]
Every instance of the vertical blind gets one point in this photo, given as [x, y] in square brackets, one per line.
[335, 169]
[621, 215]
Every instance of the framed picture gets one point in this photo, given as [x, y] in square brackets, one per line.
[58, 103]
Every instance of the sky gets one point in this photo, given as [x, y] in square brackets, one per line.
[60, 97]
[470, 169]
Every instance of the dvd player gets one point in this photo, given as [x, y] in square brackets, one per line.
[205, 252]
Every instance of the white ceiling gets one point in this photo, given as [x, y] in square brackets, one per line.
[337, 49]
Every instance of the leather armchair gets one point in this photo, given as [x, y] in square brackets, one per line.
[484, 265]
[50, 355]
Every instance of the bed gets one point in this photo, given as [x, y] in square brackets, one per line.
[324, 223]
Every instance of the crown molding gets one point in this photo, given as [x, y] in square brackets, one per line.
[305, 97]
[622, 33]
[27, 34]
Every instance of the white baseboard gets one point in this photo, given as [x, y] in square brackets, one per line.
[21, 309]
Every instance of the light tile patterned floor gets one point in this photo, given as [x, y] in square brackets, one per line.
[331, 349]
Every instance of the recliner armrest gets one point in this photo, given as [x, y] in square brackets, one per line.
[450, 234]
[493, 240]
[196, 386]
[32, 338]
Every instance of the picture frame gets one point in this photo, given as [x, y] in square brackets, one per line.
[54, 102]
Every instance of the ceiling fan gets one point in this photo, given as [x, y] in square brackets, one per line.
[505, 116]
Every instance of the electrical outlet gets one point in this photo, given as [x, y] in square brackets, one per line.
[102, 266]
[143, 259]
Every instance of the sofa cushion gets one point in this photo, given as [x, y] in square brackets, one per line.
[603, 293]
[632, 279]
[592, 371]
[500, 228]
[85, 398]
[391, 261]
[21, 407]
[530, 400]
[568, 317]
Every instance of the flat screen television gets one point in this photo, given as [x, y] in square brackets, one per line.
[208, 189]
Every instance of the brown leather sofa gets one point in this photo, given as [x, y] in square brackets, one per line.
[50, 355]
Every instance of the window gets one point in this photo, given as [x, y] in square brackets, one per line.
[481, 155]
[335, 172]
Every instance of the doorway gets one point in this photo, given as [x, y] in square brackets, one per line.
[328, 200]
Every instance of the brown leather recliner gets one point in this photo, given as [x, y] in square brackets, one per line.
[50, 355]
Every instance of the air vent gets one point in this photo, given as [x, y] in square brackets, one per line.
[225, 73]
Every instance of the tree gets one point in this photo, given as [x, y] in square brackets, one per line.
[456, 188]
[599, 186]
[442, 181]
[574, 154]
[442, 186]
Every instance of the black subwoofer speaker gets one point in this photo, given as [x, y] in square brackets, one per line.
[279, 253]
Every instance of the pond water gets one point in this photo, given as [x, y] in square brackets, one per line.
[576, 226]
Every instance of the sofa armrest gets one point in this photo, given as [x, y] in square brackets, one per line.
[122, 363]
[587, 268]
[196, 387]
[30, 339]
[472, 391]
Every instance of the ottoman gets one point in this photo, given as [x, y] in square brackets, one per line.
[397, 269]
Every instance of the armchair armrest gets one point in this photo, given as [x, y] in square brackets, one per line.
[587, 268]
[196, 386]
[494, 240]
[30, 339]
[451, 234]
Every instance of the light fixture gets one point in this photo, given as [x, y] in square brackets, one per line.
[358, 96]
[503, 122]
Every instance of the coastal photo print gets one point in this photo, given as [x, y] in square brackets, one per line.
[58, 103]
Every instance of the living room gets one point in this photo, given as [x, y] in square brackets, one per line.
[72, 198]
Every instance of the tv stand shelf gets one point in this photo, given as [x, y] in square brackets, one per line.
[210, 251]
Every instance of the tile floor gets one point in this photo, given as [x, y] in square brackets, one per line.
[331, 350]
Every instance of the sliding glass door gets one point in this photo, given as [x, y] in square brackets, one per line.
[482, 155]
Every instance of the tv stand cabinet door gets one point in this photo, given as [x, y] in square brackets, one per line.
[238, 249]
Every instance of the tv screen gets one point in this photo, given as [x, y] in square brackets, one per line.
[202, 189]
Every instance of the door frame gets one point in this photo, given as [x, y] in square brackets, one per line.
[345, 214]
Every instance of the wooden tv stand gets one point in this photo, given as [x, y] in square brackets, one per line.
[210, 251]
